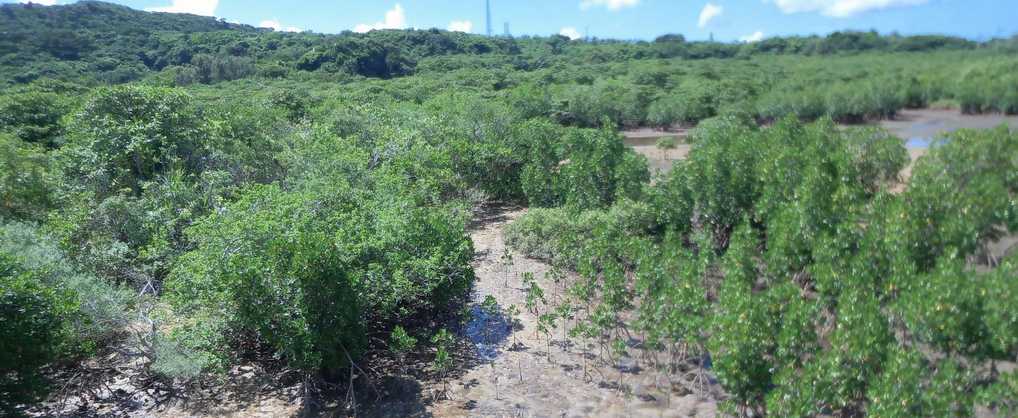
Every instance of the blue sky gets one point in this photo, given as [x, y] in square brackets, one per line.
[727, 20]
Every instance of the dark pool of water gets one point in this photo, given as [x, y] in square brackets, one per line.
[487, 330]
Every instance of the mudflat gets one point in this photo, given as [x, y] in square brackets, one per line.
[917, 127]
[644, 142]
[930, 123]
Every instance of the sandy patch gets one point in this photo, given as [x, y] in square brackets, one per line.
[644, 142]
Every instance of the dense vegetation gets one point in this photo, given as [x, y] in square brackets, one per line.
[664, 82]
[779, 254]
[233, 191]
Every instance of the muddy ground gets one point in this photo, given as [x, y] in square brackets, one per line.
[526, 374]
[929, 123]
[917, 127]
[644, 142]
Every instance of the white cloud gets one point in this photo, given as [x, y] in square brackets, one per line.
[394, 19]
[41, 2]
[753, 37]
[610, 4]
[461, 26]
[570, 32]
[841, 8]
[197, 7]
[278, 27]
[709, 12]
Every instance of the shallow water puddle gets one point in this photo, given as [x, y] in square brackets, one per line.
[917, 143]
[487, 330]
[924, 143]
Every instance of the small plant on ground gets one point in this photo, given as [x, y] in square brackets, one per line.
[545, 325]
[490, 305]
[557, 276]
[665, 144]
[401, 343]
[564, 312]
[507, 263]
[512, 314]
[534, 293]
[442, 363]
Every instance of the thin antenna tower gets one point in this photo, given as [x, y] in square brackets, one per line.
[487, 13]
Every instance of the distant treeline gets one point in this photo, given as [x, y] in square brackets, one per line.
[100, 42]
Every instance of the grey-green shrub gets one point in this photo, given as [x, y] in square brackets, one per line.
[104, 308]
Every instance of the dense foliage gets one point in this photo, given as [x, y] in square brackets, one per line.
[813, 290]
[632, 83]
[226, 192]
[50, 312]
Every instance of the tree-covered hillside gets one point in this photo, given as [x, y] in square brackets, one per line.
[96, 42]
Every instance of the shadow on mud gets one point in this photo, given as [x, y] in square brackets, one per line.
[487, 328]
[490, 213]
[402, 396]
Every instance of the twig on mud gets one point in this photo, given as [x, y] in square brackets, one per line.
[361, 372]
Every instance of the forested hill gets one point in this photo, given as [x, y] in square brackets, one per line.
[101, 42]
[93, 43]
[102, 17]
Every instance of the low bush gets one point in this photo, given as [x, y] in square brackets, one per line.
[619, 103]
[124, 136]
[596, 169]
[102, 310]
[960, 195]
[50, 314]
[693, 101]
[530, 233]
[34, 117]
[308, 275]
[33, 334]
[27, 180]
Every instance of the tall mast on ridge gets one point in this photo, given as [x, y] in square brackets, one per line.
[487, 13]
